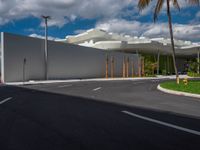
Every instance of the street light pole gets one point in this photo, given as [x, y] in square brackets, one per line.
[46, 45]
[24, 71]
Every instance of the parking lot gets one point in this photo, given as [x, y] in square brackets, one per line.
[97, 115]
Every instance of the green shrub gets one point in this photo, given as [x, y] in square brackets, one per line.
[164, 72]
[193, 74]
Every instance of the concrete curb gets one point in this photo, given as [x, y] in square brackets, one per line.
[81, 80]
[94, 79]
[177, 92]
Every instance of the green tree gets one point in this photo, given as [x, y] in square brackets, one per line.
[144, 3]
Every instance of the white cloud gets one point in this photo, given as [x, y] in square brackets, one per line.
[62, 11]
[42, 37]
[198, 14]
[122, 26]
[135, 28]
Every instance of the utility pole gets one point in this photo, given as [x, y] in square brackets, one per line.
[46, 45]
[24, 70]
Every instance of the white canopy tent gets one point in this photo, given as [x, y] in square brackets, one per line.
[108, 41]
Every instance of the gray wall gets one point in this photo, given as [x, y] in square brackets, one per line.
[0, 64]
[0, 55]
[14, 50]
[65, 61]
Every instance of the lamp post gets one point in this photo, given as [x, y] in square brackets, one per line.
[24, 71]
[46, 45]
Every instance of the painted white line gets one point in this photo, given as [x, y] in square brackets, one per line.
[5, 100]
[162, 123]
[62, 86]
[97, 89]
[138, 82]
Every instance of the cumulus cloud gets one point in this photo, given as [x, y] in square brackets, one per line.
[136, 28]
[122, 26]
[62, 11]
[107, 12]
[181, 31]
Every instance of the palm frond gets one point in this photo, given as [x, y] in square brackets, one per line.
[143, 4]
[194, 2]
[175, 4]
[158, 8]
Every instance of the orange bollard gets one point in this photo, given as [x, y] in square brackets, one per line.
[132, 69]
[124, 67]
[127, 67]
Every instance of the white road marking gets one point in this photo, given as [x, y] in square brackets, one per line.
[162, 123]
[138, 82]
[97, 89]
[62, 86]
[5, 100]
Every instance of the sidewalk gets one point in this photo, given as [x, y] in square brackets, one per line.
[95, 79]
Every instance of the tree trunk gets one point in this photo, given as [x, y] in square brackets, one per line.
[172, 40]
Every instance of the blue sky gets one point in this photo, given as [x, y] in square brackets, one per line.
[71, 17]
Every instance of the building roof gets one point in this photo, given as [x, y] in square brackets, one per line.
[101, 39]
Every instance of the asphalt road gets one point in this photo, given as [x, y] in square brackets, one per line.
[105, 115]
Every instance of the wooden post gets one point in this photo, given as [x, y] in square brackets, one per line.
[142, 61]
[139, 64]
[107, 61]
[127, 67]
[124, 67]
[132, 69]
[112, 67]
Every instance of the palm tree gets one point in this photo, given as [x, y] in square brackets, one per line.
[144, 3]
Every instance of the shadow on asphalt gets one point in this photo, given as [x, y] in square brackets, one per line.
[36, 119]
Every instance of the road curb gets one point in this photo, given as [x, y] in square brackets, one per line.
[92, 79]
[82, 80]
[177, 92]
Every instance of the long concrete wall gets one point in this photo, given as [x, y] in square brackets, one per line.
[0, 56]
[17, 48]
[65, 61]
